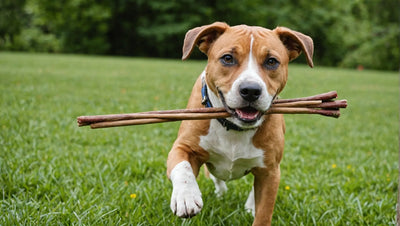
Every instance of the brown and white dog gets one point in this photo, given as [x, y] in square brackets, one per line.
[247, 68]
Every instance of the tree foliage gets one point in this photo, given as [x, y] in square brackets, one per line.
[12, 17]
[345, 33]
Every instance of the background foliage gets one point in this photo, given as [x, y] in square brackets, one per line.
[346, 33]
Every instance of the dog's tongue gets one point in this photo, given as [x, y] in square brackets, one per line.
[247, 113]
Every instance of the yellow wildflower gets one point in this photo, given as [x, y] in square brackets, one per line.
[287, 187]
[334, 166]
[133, 196]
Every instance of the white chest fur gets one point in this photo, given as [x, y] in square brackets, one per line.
[232, 153]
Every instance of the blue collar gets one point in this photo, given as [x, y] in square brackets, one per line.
[207, 103]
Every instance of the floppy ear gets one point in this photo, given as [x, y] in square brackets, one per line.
[296, 42]
[203, 37]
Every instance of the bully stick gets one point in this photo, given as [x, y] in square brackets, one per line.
[323, 96]
[200, 113]
[319, 104]
[184, 116]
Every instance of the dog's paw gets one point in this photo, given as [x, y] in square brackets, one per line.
[220, 186]
[250, 203]
[186, 202]
[186, 198]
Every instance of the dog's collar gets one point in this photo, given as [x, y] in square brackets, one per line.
[207, 103]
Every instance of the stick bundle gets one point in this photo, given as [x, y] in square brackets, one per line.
[323, 104]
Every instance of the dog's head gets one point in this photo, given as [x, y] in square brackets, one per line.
[247, 66]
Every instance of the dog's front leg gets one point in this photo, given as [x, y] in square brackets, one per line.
[186, 198]
[266, 183]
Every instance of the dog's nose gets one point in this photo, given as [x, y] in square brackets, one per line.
[250, 91]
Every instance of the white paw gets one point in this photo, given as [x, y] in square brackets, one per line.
[220, 186]
[186, 202]
[186, 198]
[250, 203]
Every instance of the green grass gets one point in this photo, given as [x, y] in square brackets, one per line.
[334, 171]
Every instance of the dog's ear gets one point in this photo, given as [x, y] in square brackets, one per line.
[296, 42]
[203, 37]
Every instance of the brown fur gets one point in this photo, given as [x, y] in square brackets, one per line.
[215, 40]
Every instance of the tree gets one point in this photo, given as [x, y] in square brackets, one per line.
[12, 19]
[345, 33]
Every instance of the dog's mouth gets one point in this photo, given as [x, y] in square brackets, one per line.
[245, 114]
[248, 114]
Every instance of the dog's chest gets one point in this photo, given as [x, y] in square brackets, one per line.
[232, 154]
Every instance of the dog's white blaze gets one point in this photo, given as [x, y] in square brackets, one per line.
[232, 153]
[252, 66]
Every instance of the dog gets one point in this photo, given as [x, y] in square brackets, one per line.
[247, 68]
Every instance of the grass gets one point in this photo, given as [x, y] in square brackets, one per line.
[334, 172]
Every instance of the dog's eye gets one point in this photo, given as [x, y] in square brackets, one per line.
[271, 63]
[228, 60]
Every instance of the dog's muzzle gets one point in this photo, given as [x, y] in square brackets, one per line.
[248, 109]
[250, 92]
[247, 114]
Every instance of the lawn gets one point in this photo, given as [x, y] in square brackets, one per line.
[334, 172]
